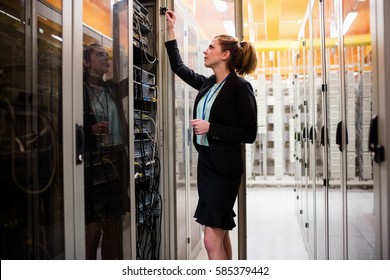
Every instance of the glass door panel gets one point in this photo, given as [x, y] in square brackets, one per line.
[300, 127]
[188, 40]
[106, 123]
[49, 101]
[181, 155]
[310, 118]
[53, 4]
[32, 224]
[297, 132]
[197, 23]
[300, 148]
[316, 137]
[194, 56]
[335, 202]
[358, 90]
[304, 128]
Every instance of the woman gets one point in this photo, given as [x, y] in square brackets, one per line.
[225, 116]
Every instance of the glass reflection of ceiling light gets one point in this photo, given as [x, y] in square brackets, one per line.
[348, 21]
[56, 37]
[220, 5]
[11, 16]
[229, 27]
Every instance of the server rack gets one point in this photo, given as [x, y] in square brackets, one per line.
[144, 113]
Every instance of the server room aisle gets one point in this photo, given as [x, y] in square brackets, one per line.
[273, 229]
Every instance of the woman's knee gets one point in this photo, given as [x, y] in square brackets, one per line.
[213, 238]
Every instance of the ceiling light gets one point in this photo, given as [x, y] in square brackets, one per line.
[348, 21]
[220, 5]
[334, 33]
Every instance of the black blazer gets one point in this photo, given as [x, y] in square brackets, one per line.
[233, 115]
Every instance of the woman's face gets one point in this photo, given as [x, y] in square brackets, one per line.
[98, 63]
[213, 55]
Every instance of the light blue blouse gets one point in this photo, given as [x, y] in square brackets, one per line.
[105, 109]
[203, 110]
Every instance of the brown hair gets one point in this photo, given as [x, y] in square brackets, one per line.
[243, 57]
[87, 52]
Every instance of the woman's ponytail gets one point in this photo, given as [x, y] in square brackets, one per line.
[249, 58]
[243, 57]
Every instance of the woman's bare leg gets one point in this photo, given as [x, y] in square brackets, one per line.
[214, 243]
[227, 245]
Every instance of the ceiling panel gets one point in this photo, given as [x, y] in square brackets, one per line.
[270, 20]
[273, 23]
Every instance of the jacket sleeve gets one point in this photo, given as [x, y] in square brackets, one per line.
[245, 111]
[189, 76]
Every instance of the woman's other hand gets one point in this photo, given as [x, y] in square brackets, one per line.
[200, 126]
[100, 128]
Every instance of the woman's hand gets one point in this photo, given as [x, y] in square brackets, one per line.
[100, 128]
[171, 21]
[200, 126]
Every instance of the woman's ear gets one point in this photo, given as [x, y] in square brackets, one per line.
[226, 55]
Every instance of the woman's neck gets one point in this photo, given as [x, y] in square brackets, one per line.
[221, 74]
[94, 80]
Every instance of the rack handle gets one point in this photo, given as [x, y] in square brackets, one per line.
[378, 151]
[339, 136]
[80, 143]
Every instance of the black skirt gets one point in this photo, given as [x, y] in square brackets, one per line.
[106, 183]
[217, 194]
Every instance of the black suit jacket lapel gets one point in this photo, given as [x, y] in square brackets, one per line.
[222, 96]
[205, 88]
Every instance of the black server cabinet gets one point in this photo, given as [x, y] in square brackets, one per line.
[144, 92]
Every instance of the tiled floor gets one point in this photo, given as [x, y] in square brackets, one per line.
[273, 228]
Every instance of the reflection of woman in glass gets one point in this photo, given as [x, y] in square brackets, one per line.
[224, 117]
[105, 158]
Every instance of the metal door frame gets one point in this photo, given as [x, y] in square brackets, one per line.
[190, 254]
[72, 57]
[242, 224]
[380, 104]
